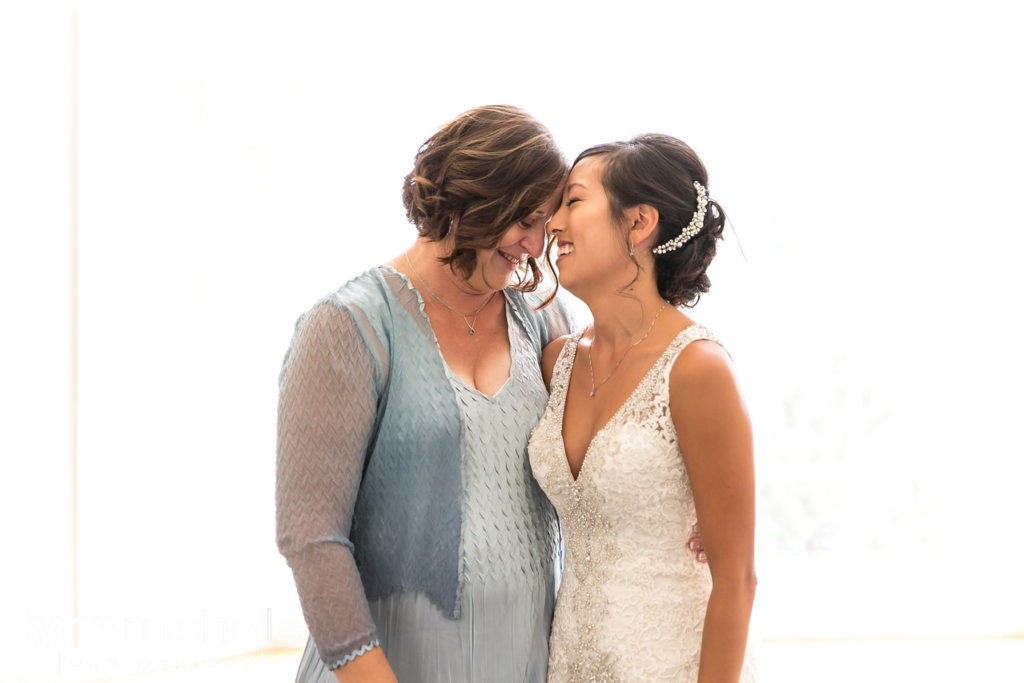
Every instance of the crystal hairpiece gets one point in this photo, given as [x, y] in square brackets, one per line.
[696, 223]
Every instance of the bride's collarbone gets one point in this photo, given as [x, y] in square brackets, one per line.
[600, 384]
[584, 416]
[611, 384]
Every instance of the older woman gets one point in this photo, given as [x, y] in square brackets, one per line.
[421, 546]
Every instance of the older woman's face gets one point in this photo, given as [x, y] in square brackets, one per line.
[526, 238]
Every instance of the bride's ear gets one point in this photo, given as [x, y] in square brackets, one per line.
[642, 220]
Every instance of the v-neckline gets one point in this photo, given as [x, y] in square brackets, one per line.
[512, 355]
[449, 373]
[565, 395]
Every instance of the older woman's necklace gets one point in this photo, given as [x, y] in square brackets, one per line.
[465, 317]
[590, 361]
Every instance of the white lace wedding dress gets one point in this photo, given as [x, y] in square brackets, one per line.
[633, 596]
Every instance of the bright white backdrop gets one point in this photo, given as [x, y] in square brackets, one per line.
[178, 181]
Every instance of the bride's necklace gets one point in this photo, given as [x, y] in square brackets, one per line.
[465, 317]
[590, 362]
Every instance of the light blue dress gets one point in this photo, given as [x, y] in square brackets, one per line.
[505, 533]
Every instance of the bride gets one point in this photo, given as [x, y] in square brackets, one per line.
[645, 433]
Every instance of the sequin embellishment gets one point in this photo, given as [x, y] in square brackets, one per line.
[590, 554]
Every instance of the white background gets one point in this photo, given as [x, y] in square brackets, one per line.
[179, 181]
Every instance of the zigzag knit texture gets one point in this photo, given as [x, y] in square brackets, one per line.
[324, 423]
[510, 528]
[376, 441]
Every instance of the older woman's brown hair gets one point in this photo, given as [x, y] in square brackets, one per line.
[477, 176]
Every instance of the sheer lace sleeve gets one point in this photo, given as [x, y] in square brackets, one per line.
[326, 414]
[558, 318]
[558, 321]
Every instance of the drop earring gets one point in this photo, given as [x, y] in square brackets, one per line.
[631, 250]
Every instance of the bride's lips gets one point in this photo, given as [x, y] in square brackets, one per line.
[564, 249]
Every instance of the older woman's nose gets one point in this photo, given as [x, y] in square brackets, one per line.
[534, 239]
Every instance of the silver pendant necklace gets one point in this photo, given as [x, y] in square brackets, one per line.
[465, 318]
[590, 362]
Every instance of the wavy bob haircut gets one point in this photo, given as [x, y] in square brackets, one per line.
[479, 175]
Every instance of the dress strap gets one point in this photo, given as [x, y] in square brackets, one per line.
[562, 371]
[694, 332]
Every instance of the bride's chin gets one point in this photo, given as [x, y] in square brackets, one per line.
[565, 279]
[574, 286]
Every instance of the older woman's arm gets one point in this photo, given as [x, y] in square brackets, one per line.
[328, 396]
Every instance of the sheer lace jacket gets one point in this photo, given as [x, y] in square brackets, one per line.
[369, 470]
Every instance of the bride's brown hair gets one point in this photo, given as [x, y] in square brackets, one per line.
[659, 170]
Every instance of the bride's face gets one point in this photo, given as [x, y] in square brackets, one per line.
[591, 247]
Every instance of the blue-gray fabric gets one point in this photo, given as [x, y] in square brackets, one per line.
[371, 461]
[509, 540]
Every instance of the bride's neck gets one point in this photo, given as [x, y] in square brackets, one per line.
[621, 319]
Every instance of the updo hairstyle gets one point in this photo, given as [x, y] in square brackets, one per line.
[659, 170]
[478, 176]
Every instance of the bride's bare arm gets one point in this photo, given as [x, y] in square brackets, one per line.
[717, 444]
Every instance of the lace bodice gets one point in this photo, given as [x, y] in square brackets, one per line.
[633, 597]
